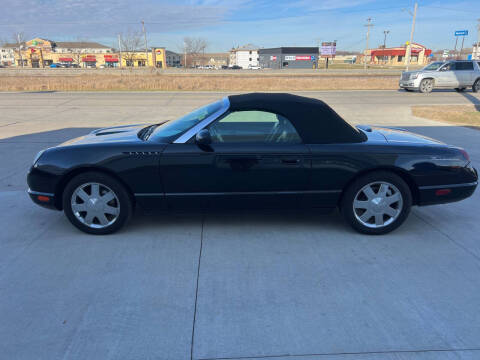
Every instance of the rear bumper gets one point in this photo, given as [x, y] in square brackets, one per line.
[441, 194]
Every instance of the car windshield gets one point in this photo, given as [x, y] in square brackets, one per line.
[170, 130]
[433, 66]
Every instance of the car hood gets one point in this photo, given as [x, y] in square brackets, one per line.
[402, 136]
[125, 133]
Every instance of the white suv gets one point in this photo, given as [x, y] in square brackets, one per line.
[457, 75]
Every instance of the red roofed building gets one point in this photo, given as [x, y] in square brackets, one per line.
[397, 55]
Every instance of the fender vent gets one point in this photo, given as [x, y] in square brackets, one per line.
[142, 152]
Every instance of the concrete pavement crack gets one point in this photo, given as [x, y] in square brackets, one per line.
[385, 352]
[196, 289]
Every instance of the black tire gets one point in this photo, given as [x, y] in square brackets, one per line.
[460, 89]
[349, 195]
[122, 201]
[476, 86]
[426, 86]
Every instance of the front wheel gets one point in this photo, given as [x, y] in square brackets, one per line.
[426, 86]
[96, 203]
[376, 203]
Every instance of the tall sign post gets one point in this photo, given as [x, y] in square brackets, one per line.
[461, 33]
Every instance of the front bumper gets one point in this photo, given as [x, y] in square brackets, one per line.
[46, 200]
[409, 84]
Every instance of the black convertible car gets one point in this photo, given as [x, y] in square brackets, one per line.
[253, 150]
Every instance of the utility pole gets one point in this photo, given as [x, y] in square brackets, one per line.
[145, 38]
[409, 47]
[19, 48]
[368, 25]
[477, 52]
[185, 54]
[120, 48]
[385, 33]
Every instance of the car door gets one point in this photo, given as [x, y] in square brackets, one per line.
[446, 76]
[256, 159]
[465, 72]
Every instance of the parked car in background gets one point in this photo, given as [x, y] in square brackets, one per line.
[235, 67]
[458, 75]
[250, 151]
[254, 67]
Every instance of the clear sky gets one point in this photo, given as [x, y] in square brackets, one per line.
[227, 23]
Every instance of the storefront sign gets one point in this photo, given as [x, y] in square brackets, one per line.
[290, 58]
[303, 57]
[273, 58]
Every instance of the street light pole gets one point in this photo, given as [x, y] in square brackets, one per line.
[145, 38]
[409, 47]
[385, 33]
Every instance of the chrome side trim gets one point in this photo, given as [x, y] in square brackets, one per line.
[31, 192]
[242, 193]
[182, 139]
[447, 186]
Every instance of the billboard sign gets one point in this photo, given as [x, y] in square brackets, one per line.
[328, 49]
[461, 33]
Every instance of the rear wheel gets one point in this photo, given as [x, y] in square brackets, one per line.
[426, 86]
[476, 86]
[96, 203]
[376, 203]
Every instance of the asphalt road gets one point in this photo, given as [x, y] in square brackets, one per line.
[254, 285]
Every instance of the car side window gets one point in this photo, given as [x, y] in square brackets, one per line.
[448, 67]
[467, 65]
[254, 127]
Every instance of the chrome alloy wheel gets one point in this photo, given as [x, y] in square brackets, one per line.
[426, 86]
[377, 204]
[95, 205]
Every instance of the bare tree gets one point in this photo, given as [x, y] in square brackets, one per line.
[130, 43]
[194, 48]
[19, 39]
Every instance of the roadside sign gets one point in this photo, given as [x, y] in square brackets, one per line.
[461, 33]
[328, 49]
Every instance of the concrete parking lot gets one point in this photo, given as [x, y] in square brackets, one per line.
[253, 285]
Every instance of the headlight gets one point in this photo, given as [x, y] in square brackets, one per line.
[38, 157]
[414, 76]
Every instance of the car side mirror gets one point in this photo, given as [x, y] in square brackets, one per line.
[203, 138]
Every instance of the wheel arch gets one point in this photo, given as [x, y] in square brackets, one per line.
[80, 170]
[403, 174]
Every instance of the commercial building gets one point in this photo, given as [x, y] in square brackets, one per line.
[289, 57]
[173, 59]
[39, 53]
[216, 60]
[244, 56]
[7, 54]
[155, 57]
[397, 55]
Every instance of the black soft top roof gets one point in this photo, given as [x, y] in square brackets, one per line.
[315, 121]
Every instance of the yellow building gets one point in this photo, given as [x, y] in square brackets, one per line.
[41, 53]
[154, 58]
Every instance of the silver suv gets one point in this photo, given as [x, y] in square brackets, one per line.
[457, 75]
